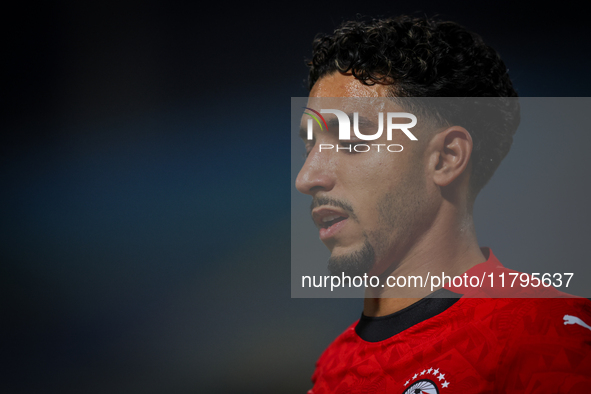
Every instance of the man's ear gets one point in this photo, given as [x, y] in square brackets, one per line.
[450, 154]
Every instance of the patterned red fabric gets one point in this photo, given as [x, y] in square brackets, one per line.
[478, 345]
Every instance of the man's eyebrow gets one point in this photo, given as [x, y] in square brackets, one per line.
[333, 123]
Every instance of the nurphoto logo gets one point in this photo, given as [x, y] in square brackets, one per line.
[344, 124]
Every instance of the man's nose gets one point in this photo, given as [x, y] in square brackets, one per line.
[317, 174]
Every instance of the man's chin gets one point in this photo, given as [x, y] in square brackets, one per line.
[355, 263]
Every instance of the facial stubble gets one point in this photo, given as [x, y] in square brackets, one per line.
[403, 216]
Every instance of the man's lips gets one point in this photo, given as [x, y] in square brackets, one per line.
[329, 220]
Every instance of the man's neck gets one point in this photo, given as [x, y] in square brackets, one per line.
[452, 252]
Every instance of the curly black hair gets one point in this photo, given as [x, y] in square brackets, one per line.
[423, 57]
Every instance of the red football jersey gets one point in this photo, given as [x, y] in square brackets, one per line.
[466, 345]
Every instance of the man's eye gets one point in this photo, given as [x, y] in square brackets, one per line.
[309, 148]
[349, 147]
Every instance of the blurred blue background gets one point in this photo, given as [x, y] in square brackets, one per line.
[145, 222]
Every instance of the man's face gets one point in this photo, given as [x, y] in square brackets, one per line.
[370, 207]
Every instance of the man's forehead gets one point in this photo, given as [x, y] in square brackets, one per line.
[364, 106]
[348, 94]
[345, 85]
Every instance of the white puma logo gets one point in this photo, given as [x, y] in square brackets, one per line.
[568, 319]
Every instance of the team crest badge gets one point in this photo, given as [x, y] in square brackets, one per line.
[430, 381]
